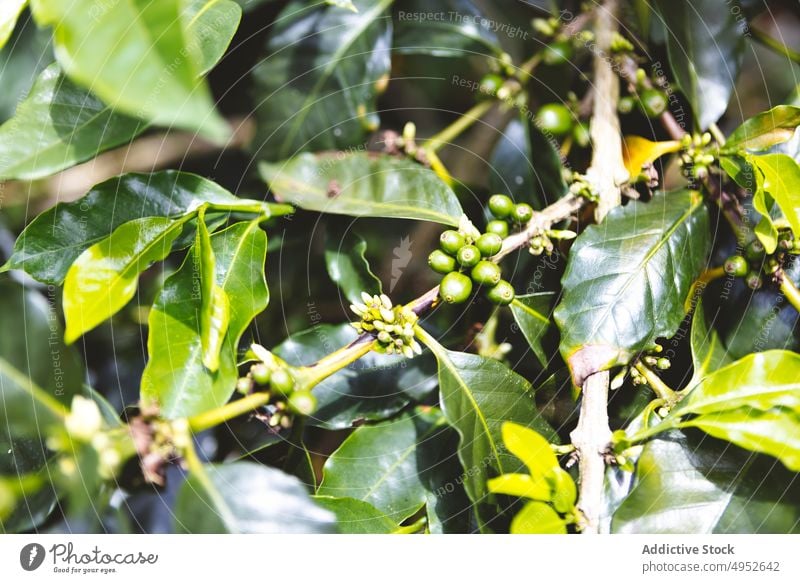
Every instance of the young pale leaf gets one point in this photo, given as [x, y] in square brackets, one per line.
[465, 32]
[526, 166]
[215, 309]
[538, 518]
[478, 395]
[363, 185]
[176, 377]
[383, 464]
[765, 130]
[356, 516]
[330, 105]
[347, 266]
[9, 13]
[532, 315]
[57, 237]
[211, 24]
[705, 47]
[521, 486]
[247, 498]
[530, 447]
[139, 60]
[104, 278]
[691, 484]
[372, 389]
[627, 280]
[778, 177]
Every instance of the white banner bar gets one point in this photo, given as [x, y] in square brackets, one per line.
[401, 558]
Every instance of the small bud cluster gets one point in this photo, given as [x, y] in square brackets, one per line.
[696, 158]
[393, 325]
[543, 243]
[620, 44]
[650, 359]
[581, 186]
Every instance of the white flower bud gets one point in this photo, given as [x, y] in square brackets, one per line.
[84, 419]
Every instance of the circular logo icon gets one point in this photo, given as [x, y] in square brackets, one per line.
[31, 556]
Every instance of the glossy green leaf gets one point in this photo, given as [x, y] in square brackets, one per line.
[356, 516]
[9, 13]
[627, 280]
[373, 388]
[705, 46]
[104, 278]
[247, 498]
[363, 185]
[175, 377]
[347, 265]
[448, 508]
[538, 518]
[57, 126]
[461, 31]
[526, 165]
[215, 309]
[57, 237]
[382, 464]
[139, 60]
[532, 315]
[340, 56]
[708, 352]
[478, 395]
[211, 24]
[22, 59]
[779, 178]
[765, 130]
[748, 177]
[697, 485]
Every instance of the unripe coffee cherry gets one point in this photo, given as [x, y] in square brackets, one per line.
[522, 213]
[755, 252]
[753, 280]
[441, 262]
[626, 104]
[554, 118]
[500, 205]
[455, 288]
[244, 385]
[486, 273]
[468, 255]
[260, 373]
[282, 381]
[654, 102]
[499, 228]
[736, 265]
[502, 293]
[490, 84]
[302, 402]
[489, 244]
[451, 242]
[557, 53]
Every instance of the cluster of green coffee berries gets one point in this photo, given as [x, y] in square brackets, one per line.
[464, 255]
[754, 263]
[649, 100]
[695, 158]
[273, 375]
[392, 325]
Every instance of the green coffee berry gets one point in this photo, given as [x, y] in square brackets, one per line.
[468, 255]
[489, 244]
[441, 262]
[554, 118]
[736, 265]
[497, 227]
[500, 205]
[490, 84]
[626, 104]
[581, 135]
[260, 373]
[486, 273]
[654, 102]
[502, 293]
[753, 280]
[522, 213]
[663, 363]
[282, 381]
[244, 385]
[557, 53]
[303, 402]
[755, 252]
[451, 242]
[455, 288]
